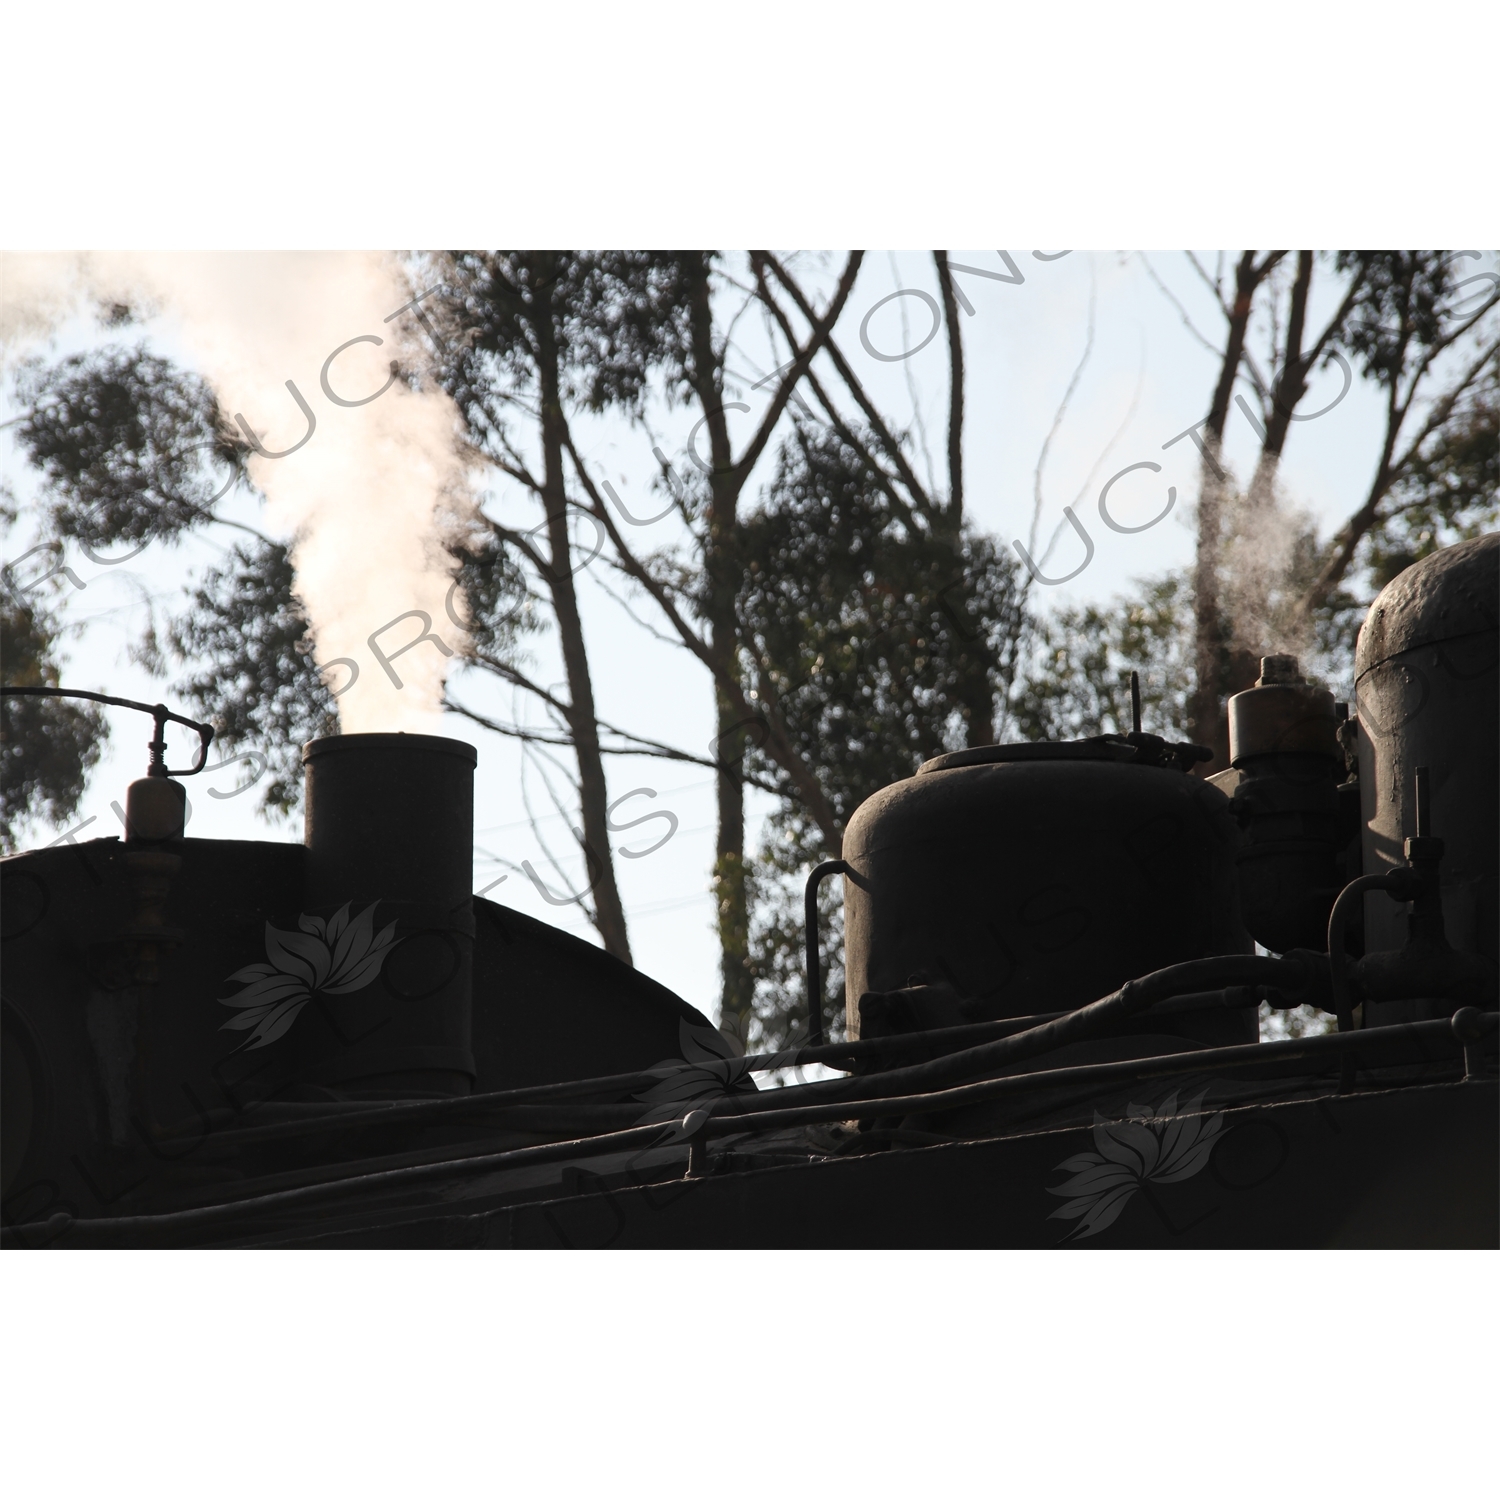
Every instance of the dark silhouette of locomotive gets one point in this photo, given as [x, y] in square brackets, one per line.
[1055, 955]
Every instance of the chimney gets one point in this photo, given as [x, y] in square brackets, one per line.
[390, 826]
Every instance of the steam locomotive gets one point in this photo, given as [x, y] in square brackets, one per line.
[1056, 955]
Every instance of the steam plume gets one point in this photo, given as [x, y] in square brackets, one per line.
[1260, 568]
[369, 491]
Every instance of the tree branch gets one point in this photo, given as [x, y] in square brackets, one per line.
[955, 392]
[1291, 385]
[1443, 408]
[822, 330]
[715, 657]
[887, 485]
[877, 423]
[1171, 297]
[1337, 321]
[518, 540]
[1388, 473]
[1212, 284]
[643, 748]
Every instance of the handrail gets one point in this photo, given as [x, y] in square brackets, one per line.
[1338, 919]
[1089, 1021]
[940, 1040]
[1465, 1024]
[814, 978]
[158, 711]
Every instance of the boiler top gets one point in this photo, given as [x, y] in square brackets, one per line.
[1037, 877]
[1427, 693]
[1448, 595]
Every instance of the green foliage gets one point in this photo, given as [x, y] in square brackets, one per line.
[864, 630]
[47, 745]
[501, 607]
[1404, 307]
[612, 316]
[1450, 493]
[1077, 679]
[246, 637]
[125, 443]
[868, 633]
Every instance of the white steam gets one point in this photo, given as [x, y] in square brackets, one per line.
[1259, 565]
[369, 492]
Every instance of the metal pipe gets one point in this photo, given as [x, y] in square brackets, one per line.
[941, 1039]
[1338, 919]
[643, 1136]
[969, 1061]
[1213, 1059]
[158, 711]
[418, 1112]
[543, 1118]
[674, 1132]
[1469, 1026]
[1080, 1025]
[814, 979]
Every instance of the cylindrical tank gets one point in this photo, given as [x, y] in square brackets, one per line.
[1040, 877]
[1426, 686]
[1283, 742]
[390, 825]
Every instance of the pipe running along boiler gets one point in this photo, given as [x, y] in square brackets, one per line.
[1056, 956]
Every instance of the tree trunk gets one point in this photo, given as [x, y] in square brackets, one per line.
[731, 900]
[1287, 390]
[721, 568]
[583, 725]
[975, 691]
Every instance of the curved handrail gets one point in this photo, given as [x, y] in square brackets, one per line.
[814, 978]
[158, 711]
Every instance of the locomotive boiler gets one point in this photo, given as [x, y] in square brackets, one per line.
[1056, 957]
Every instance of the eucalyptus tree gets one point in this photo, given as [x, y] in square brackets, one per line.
[678, 331]
[133, 450]
[1428, 346]
[706, 604]
[125, 445]
[849, 613]
[526, 340]
[1433, 350]
[47, 745]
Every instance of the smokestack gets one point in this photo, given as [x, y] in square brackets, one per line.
[390, 826]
